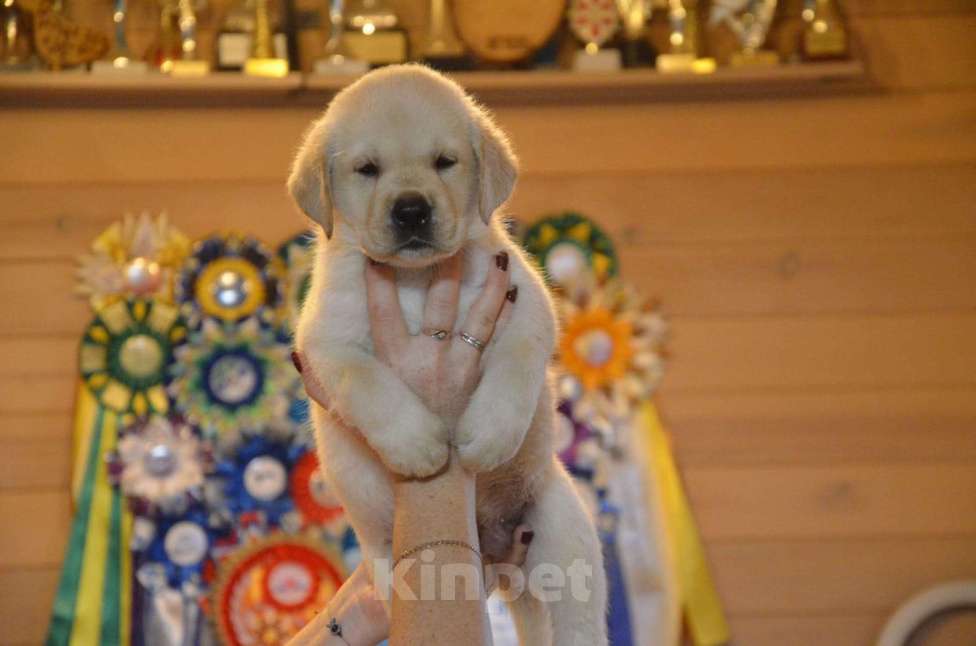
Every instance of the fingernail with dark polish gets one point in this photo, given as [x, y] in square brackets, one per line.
[297, 360]
[527, 537]
[512, 294]
[501, 261]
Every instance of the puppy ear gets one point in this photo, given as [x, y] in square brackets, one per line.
[497, 165]
[309, 182]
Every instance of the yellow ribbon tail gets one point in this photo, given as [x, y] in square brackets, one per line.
[699, 598]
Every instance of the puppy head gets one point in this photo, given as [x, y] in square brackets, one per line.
[404, 165]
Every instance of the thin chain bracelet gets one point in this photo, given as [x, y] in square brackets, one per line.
[443, 541]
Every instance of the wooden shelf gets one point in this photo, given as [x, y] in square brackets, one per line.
[496, 88]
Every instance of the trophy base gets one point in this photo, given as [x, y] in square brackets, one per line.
[118, 66]
[340, 65]
[186, 68]
[829, 44]
[267, 67]
[603, 60]
[684, 64]
[382, 47]
[758, 58]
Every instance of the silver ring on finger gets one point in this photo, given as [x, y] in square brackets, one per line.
[435, 333]
[477, 344]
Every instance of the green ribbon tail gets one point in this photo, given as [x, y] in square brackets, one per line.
[62, 616]
[111, 594]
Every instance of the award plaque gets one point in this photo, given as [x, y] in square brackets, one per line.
[263, 61]
[373, 33]
[442, 48]
[336, 58]
[594, 22]
[749, 21]
[824, 34]
[121, 61]
[507, 31]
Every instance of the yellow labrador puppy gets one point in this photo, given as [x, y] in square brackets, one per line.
[405, 169]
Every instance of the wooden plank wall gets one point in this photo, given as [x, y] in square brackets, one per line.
[817, 256]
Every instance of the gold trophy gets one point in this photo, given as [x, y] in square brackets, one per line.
[336, 58]
[189, 62]
[633, 16]
[262, 61]
[16, 52]
[442, 48]
[824, 34]
[594, 22]
[749, 21]
[683, 41]
[373, 33]
[122, 60]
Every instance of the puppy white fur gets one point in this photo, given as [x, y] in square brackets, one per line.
[406, 130]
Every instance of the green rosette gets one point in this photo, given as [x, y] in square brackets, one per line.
[230, 379]
[125, 353]
[568, 246]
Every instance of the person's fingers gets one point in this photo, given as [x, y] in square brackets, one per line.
[386, 324]
[440, 310]
[480, 321]
[521, 539]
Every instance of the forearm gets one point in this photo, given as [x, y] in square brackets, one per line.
[437, 509]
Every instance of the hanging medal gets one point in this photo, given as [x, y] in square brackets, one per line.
[125, 352]
[229, 278]
[569, 247]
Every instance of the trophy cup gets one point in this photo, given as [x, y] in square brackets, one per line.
[683, 40]
[15, 43]
[336, 58]
[633, 16]
[179, 41]
[442, 48]
[373, 33]
[235, 41]
[824, 34]
[749, 21]
[122, 61]
[594, 22]
[263, 61]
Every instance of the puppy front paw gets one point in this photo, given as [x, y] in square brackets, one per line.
[489, 438]
[414, 445]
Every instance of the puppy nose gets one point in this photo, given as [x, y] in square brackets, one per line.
[411, 212]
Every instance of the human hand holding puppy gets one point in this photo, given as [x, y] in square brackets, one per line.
[440, 367]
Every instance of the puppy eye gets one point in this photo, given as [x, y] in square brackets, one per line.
[444, 162]
[369, 169]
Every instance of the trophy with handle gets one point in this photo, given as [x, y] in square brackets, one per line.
[16, 52]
